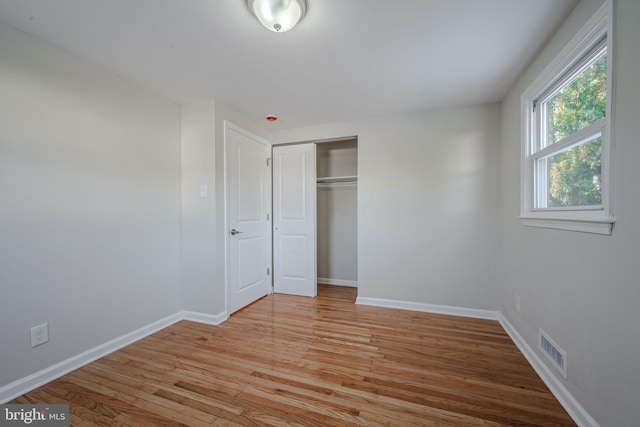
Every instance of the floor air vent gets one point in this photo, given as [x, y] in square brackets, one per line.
[554, 353]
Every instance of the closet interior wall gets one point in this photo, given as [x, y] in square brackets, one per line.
[337, 170]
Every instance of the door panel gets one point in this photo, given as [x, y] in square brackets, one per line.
[293, 250]
[248, 204]
[292, 185]
[251, 165]
[251, 262]
[294, 198]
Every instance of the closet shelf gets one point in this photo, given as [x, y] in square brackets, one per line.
[330, 179]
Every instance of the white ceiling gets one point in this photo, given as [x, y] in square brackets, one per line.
[347, 59]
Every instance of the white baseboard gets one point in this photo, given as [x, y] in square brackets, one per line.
[338, 282]
[429, 308]
[566, 399]
[37, 379]
[208, 319]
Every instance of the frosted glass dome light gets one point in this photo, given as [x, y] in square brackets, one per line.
[278, 16]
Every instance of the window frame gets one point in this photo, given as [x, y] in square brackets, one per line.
[595, 33]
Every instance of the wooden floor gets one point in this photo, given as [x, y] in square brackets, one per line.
[295, 361]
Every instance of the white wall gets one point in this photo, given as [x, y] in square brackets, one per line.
[427, 204]
[583, 289]
[90, 205]
[337, 222]
[199, 252]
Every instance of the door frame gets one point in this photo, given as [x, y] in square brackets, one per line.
[228, 126]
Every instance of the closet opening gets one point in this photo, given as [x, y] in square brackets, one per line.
[337, 219]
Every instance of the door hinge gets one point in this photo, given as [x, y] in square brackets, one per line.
[268, 160]
[267, 271]
[267, 217]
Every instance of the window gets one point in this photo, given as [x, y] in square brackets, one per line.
[566, 144]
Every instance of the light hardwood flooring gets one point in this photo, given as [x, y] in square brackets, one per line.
[295, 361]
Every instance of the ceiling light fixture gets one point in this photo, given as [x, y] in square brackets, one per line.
[278, 16]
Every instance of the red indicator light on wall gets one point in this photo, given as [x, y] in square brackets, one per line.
[271, 118]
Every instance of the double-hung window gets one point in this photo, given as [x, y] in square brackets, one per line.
[566, 141]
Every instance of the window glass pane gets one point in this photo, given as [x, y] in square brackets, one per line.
[573, 176]
[582, 101]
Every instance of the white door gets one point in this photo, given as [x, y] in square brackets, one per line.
[248, 224]
[294, 213]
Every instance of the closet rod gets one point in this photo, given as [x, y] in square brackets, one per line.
[328, 179]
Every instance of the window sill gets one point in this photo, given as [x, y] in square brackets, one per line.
[599, 226]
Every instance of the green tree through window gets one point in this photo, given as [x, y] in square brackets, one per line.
[574, 176]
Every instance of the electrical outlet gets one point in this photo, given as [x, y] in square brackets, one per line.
[518, 303]
[39, 334]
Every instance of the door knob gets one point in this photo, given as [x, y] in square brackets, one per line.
[234, 232]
